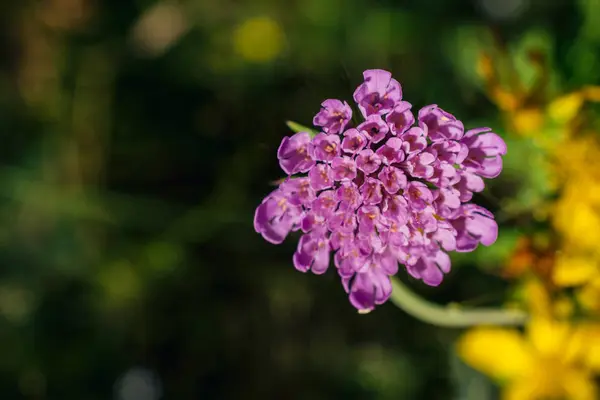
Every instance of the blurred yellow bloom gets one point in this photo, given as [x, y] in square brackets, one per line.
[528, 121]
[259, 39]
[553, 358]
[586, 342]
[504, 99]
[574, 270]
[549, 361]
[529, 111]
[499, 353]
[578, 159]
[566, 108]
[589, 295]
[537, 299]
[576, 215]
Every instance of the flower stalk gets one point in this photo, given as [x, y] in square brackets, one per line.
[452, 316]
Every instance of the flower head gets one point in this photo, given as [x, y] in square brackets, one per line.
[383, 193]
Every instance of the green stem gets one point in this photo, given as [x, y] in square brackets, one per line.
[451, 317]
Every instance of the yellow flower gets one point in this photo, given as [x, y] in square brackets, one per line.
[589, 295]
[551, 359]
[576, 214]
[565, 108]
[574, 269]
[528, 121]
[548, 361]
[528, 111]
[578, 158]
[586, 342]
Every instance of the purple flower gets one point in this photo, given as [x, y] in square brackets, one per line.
[450, 151]
[321, 177]
[401, 118]
[325, 204]
[342, 221]
[421, 165]
[424, 221]
[276, 217]
[325, 147]
[371, 191]
[348, 196]
[344, 169]
[298, 191]
[379, 93]
[413, 141]
[333, 116]
[447, 201]
[386, 193]
[373, 286]
[312, 221]
[368, 216]
[445, 236]
[341, 241]
[485, 151]
[312, 253]
[391, 152]
[393, 179]
[395, 209]
[374, 128]
[430, 268]
[444, 175]
[468, 183]
[439, 124]
[353, 142]
[418, 195]
[475, 225]
[367, 161]
[293, 154]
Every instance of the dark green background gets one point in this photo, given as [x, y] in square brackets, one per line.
[141, 252]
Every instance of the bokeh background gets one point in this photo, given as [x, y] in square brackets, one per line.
[138, 136]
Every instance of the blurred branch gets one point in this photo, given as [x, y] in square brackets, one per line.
[448, 316]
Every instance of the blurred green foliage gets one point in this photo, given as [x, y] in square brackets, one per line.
[137, 139]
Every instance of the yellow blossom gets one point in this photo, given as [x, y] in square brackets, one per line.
[585, 342]
[528, 122]
[565, 108]
[589, 295]
[551, 359]
[536, 365]
[574, 269]
[576, 215]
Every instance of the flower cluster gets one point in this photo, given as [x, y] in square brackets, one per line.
[392, 189]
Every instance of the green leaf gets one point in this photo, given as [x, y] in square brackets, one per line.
[296, 127]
